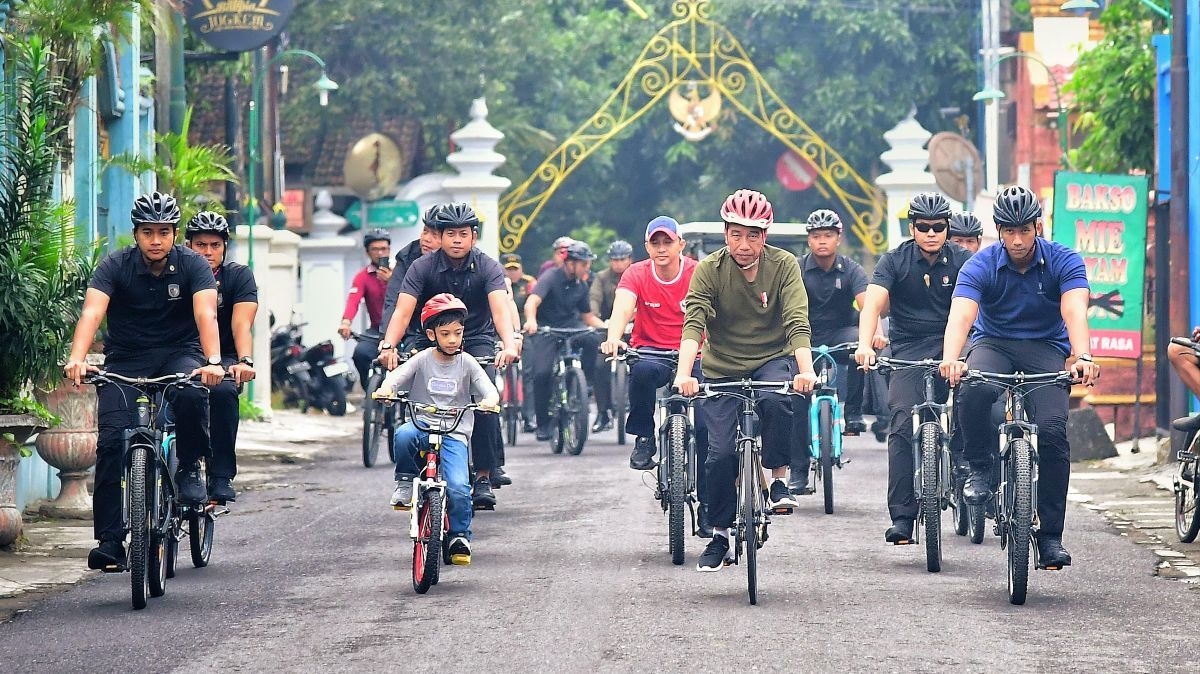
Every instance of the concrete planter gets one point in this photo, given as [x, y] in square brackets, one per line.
[71, 448]
[20, 426]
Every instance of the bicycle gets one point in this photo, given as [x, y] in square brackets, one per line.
[751, 519]
[932, 464]
[1016, 498]
[675, 483]
[430, 519]
[1186, 481]
[512, 400]
[569, 393]
[151, 512]
[379, 421]
[826, 419]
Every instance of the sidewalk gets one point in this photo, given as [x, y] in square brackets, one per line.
[1136, 497]
[53, 554]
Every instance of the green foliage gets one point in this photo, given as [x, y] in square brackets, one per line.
[247, 410]
[546, 66]
[187, 172]
[1114, 92]
[43, 272]
[595, 235]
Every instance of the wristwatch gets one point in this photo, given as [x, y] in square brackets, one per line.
[246, 360]
[385, 346]
[214, 360]
[1085, 356]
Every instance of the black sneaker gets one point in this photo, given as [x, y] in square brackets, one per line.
[798, 482]
[220, 489]
[855, 426]
[716, 554]
[603, 423]
[901, 531]
[780, 497]
[109, 556]
[528, 427]
[977, 488]
[642, 457]
[483, 496]
[703, 526]
[500, 478]
[403, 496]
[191, 487]
[458, 552]
[544, 433]
[1051, 554]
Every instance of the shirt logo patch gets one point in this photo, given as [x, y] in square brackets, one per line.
[945, 281]
[441, 386]
[173, 291]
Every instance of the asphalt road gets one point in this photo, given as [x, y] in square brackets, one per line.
[571, 573]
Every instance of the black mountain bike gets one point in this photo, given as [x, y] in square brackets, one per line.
[568, 392]
[379, 421]
[512, 398]
[931, 435]
[1187, 474]
[1016, 501]
[752, 518]
[151, 511]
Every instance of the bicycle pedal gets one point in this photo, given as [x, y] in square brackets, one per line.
[907, 541]
[484, 507]
[851, 434]
[1187, 456]
[782, 511]
[401, 506]
[460, 560]
[113, 568]
[1039, 567]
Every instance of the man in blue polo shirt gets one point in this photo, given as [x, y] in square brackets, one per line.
[1027, 301]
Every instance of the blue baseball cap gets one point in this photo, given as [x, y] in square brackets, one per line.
[663, 224]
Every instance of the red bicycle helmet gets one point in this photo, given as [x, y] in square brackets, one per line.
[749, 208]
[440, 303]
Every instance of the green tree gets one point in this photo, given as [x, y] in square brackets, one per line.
[1113, 86]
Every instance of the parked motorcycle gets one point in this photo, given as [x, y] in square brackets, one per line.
[308, 377]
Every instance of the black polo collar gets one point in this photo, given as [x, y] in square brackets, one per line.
[171, 267]
[810, 263]
[917, 256]
[442, 261]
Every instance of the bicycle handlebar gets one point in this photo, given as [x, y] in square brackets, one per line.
[844, 346]
[1011, 380]
[888, 363]
[566, 332]
[180, 379]
[644, 352]
[366, 336]
[1184, 341]
[728, 389]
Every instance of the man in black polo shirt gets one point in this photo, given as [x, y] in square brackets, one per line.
[915, 282]
[207, 233]
[834, 283]
[559, 300]
[161, 303]
[461, 269]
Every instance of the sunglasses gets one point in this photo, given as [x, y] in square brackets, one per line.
[924, 227]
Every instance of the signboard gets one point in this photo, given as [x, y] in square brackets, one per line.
[795, 172]
[1103, 217]
[386, 214]
[296, 206]
[238, 25]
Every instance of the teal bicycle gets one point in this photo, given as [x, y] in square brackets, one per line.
[826, 419]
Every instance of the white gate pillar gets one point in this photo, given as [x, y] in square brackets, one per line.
[475, 183]
[323, 273]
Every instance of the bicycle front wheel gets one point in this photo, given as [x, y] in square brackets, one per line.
[677, 483]
[931, 508]
[1020, 519]
[138, 486]
[1187, 507]
[372, 427]
[825, 426]
[751, 514]
[620, 395]
[576, 426]
[427, 549]
[201, 529]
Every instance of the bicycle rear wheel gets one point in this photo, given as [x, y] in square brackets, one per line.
[677, 483]
[372, 425]
[201, 529]
[620, 395]
[512, 405]
[427, 549]
[576, 411]
[1187, 508]
[1020, 518]
[825, 426]
[138, 487]
[931, 509]
[160, 528]
[751, 495]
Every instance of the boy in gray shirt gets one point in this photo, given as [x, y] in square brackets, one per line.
[445, 377]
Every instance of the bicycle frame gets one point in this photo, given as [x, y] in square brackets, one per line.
[826, 390]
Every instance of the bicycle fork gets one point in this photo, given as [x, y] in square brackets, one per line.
[427, 481]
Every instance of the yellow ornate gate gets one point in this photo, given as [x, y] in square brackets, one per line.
[693, 48]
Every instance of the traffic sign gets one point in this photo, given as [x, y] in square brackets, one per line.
[795, 172]
[386, 214]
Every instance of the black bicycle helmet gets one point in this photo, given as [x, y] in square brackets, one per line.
[373, 235]
[823, 219]
[580, 251]
[965, 224]
[619, 250]
[430, 215]
[207, 222]
[1016, 206]
[928, 206]
[457, 214]
[154, 208]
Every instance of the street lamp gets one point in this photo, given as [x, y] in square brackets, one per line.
[1092, 4]
[989, 95]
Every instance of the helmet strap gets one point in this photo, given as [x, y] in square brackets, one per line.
[748, 267]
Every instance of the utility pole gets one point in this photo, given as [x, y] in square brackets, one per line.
[1177, 286]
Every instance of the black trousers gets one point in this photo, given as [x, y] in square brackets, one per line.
[722, 416]
[540, 353]
[1047, 408]
[850, 390]
[223, 427]
[906, 388]
[487, 439]
[600, 374]
[116, 411]
[645, 378]
[365, 351]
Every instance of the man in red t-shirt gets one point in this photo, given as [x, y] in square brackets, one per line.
[370, 288]
[654, 290]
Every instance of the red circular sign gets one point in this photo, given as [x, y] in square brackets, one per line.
[795, 173]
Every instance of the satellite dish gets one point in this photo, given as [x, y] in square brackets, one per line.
[952, 160]
[372, 166]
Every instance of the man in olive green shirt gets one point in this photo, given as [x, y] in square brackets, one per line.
[748, 301]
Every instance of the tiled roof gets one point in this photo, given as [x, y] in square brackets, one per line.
[329, 157]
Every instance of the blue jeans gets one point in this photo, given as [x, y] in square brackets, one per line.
[410, 441]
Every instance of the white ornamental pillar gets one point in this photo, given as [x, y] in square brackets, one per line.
[323, 273]
[283, 277]
[475, 183]
[907, 158]
[262, 324]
